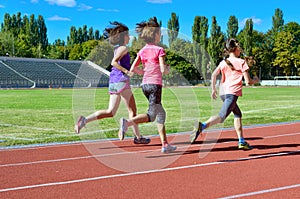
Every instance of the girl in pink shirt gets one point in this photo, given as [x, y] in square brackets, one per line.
[233, 70]
[154, 66]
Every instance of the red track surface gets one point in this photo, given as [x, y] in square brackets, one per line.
[114, 169]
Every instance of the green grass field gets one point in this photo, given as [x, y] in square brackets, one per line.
[45, 116]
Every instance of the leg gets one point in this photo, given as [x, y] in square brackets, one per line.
[114, 102]
[213, 120]
[238, 127]
[134, 119]
[128, 98]
[228, 105]
[166, 147]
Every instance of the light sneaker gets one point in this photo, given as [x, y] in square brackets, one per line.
[245, 146]
[81, 122]
[196, 132]
[142, 140]
[123, 128]
[168, 149]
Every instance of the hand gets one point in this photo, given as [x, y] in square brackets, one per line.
[214, 94]
[129, 73]
[167, 69]
[256, 79]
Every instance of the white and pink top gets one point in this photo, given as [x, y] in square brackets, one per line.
[232, 78]
[149, 55]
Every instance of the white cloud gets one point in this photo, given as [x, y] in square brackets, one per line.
[34, 1]
[2, 6]
[66, 3]
[107, 10]
[83, 7]
[254, 20]
[58, 18]
[159, 1]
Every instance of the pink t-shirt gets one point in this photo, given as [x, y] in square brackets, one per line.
[149, 55]
[232, 78]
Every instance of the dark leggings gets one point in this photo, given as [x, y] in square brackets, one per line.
[155, 110]
[229, 105]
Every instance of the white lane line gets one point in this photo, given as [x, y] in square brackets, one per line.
[262, 191]
[267, 109]
[136, 173]
[121, 153]
[34, 128]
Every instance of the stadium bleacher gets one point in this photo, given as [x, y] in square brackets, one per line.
[45, 73]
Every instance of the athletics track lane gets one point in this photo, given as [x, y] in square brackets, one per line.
[271, 170]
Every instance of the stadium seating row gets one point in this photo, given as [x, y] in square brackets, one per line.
[44, 73]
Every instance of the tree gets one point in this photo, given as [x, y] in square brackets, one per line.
[75, 52]
[97, 35]
[277, 21]
[42, 33]
[283, 51]
[215, 43]
[85, 34]
[294, 29]
[102, 54]
[7, 44]
[232, 27]
[261, 54]
[73, 38]
[179, 57]
[277, 24]
[248, 37]
[87, 47]
[173, 28]
[23, 47]
[91, 34]
[199, 33]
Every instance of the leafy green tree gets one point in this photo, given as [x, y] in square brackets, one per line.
[42, 33]
[261, 54]
[80, 35]
[102, 54]
[277, 20]
[75, 52]
[179, 57]
[232, 27]
[215, 44]
[97, 35]
[294, 29]
[7, 44]
[85, 34]
[58, 50]
[87, 47]
[91, 35]
[23, 48]
[283, 50]
[173, 28]
[199, 34]
[73, 38]
[248, 37]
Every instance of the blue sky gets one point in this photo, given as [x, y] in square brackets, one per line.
[60, 15]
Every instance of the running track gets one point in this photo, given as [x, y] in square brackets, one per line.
[120, 169]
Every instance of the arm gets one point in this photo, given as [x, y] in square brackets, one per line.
[121, 51]
[248, 79]
[213, 82]
[134, 67]
[164, 68]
